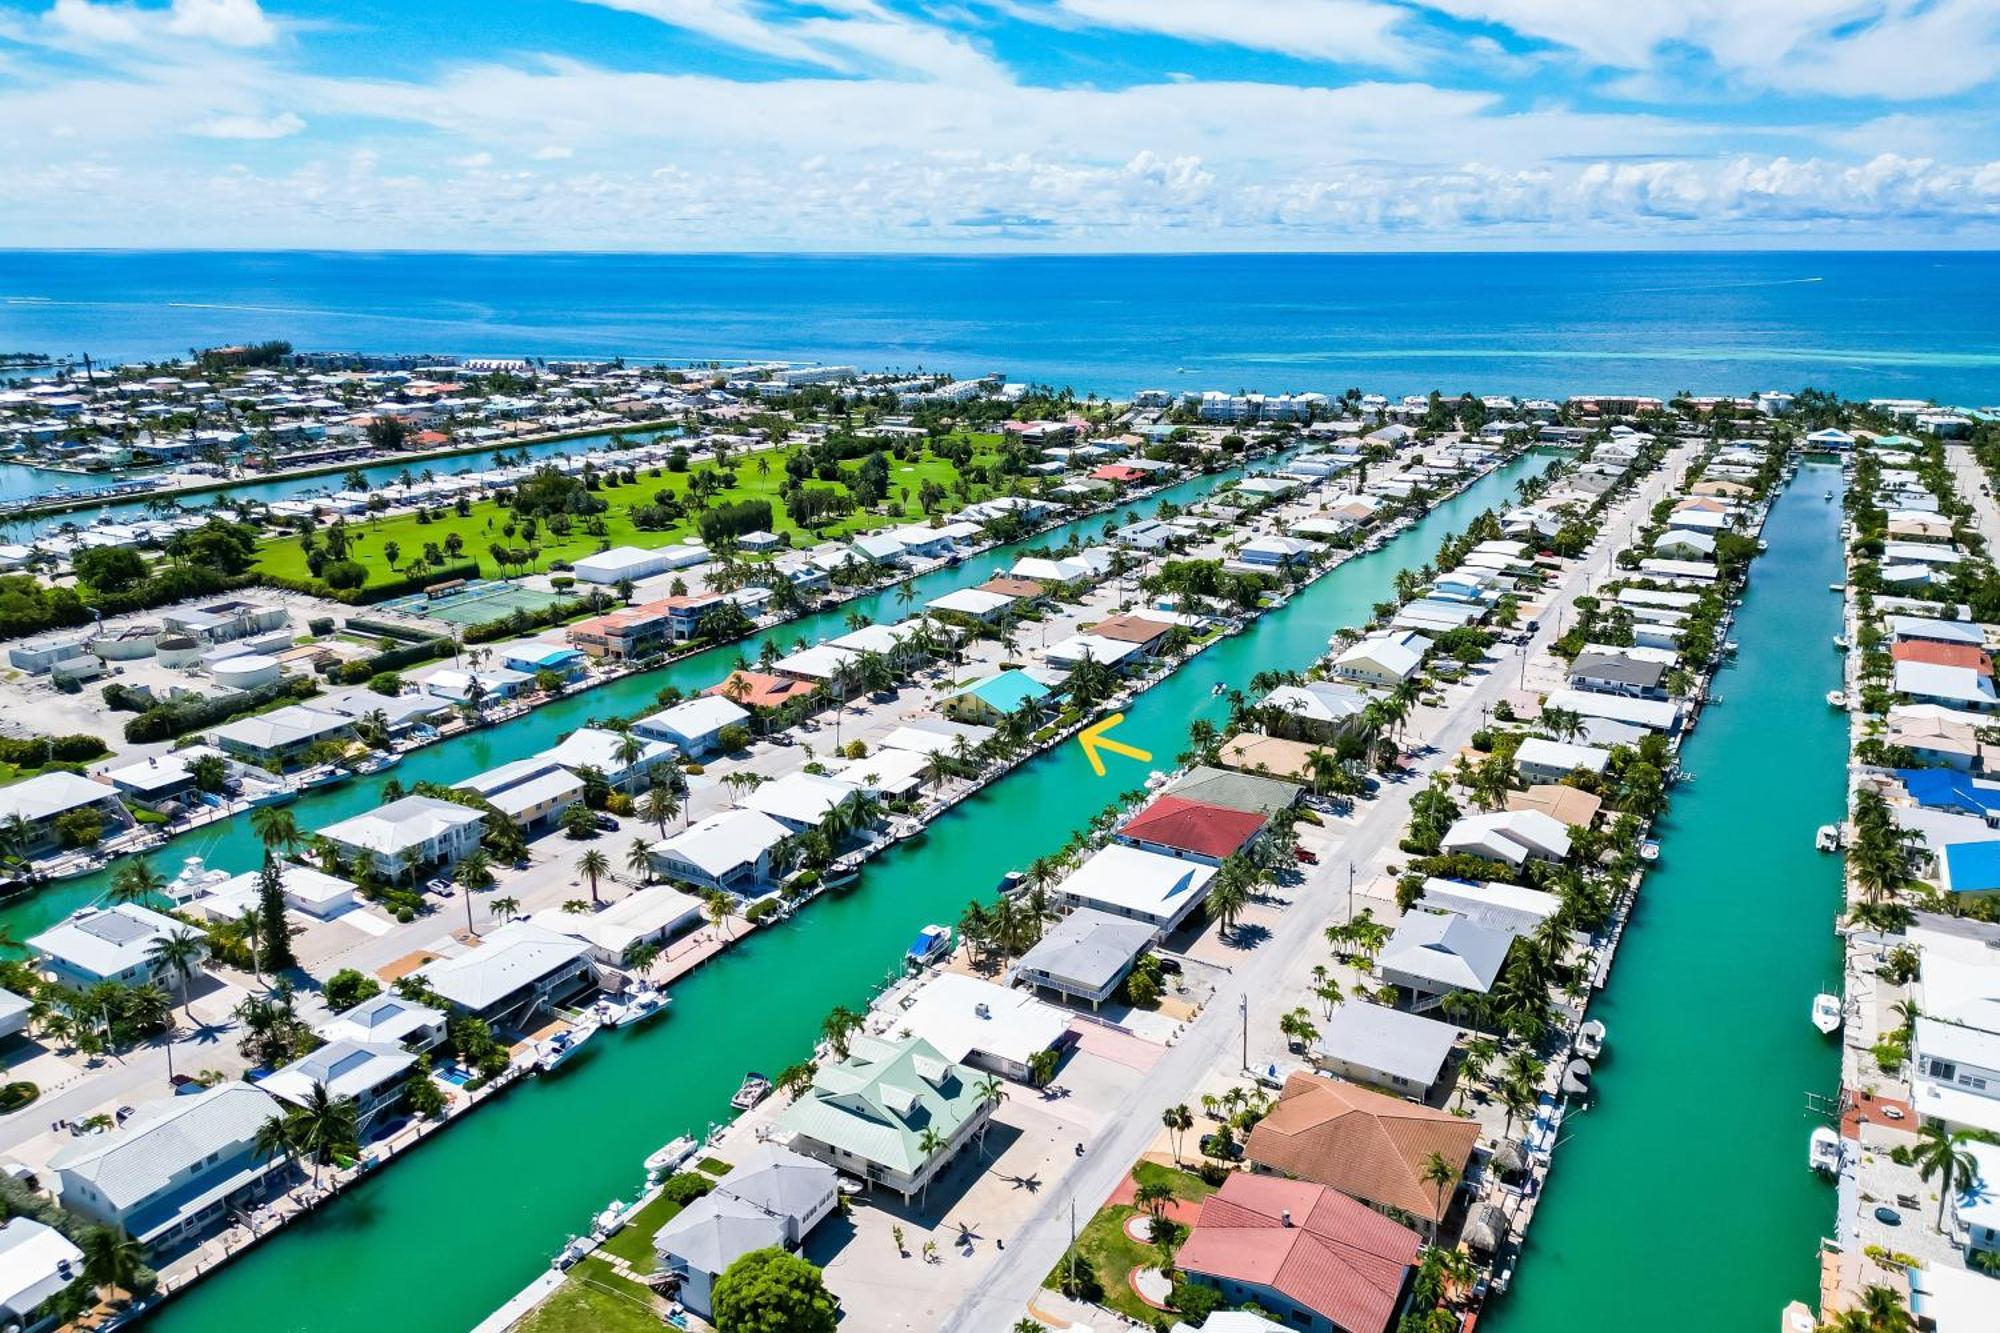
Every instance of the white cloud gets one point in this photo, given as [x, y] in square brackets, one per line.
[227, 22]
[554, 152]
[231, 22]
[281, 126]
[1353, 31]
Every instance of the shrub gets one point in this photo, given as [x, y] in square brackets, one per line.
[760, 911]
[164, 721]
[684, 1187]
[344, 575]
[347, 988]
[16, 1095]
[735, 736]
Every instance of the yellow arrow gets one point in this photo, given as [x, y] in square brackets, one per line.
[1093, 739]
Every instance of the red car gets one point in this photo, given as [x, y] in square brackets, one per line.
[1310, 858]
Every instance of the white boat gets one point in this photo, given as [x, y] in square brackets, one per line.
[1836, 699]
[1763, 545]
[1836, 587]
[932, 943]
[1840, 642]
[1590, 1039]
[672, 1155]
[1649, 850]
[1828, 838]
[641, 1004]
[1826, 1013]
[554, 1052]
[755, 1089]
[1823, 1150]
[377, 761]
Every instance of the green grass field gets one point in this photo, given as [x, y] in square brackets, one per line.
[594, 1299]
[1113, 1255]
[486, 523]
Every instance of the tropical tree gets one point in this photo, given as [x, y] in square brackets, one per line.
[1440, 1175]
[1179, 1120]
[180, 954]
[136, 882]
[276, 828]
[112, 1260]
[839, 1024]
[1941, 1152]
[591, 865]
[504, 908]
[772, 1291]
[930, 1143]
[639, 957]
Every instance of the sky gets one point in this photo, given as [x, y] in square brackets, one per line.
[1000, 125]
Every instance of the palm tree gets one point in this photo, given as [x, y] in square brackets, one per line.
[111, 1260]
[135, 882]
[716, 906]
[504, 908]
[1439, 1175]
[327, 1127]
[590, 865]
[277, 1137]
[276, 828]
[639, 957]
[991, 1092]
[639, 859]
[930, 1143]
[1941, 1152]
[1229, 893]
[1154, 1196]
[660, 806]
[179, 953]
[839, 1023]
[1178, 1120]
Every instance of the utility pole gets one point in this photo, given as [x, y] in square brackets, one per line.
[1243, 1008]
[1350, 890]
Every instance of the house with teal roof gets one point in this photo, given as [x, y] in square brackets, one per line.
[893, 1113]
[985, 702]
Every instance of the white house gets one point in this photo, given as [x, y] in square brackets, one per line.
[694, 726]
[36, 1263]
[601, 749]
[1543, 760]
[729, 851]
[1512, 836]
[416, 831]
[516, 972]
[107, 944]
[1386, 660]
[371, 1073]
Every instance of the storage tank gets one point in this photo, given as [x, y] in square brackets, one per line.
[178, 652]
[246, 671]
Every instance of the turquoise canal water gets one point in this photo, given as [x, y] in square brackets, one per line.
[445, 1235]
[1683, 1193]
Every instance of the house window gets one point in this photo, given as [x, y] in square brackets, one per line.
[1943, 1070]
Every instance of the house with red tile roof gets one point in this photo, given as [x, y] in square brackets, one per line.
[1943, 654]
[1369, 1146]
[757, 689]
[1307, 1253]
[1191, 830]
[1121, 473]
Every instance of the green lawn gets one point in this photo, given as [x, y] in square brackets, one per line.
[487, 521]
[594, 1300]
[1112, 1254]
[634, 1243]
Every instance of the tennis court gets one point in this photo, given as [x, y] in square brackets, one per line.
[474, 602]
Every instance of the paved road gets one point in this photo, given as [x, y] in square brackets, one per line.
[1213, 1041]
[1969, 477]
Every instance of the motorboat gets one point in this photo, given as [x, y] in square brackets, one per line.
[1840, 642]
[377, 761]
[1649, 850]
[666, 1159]
[1829, 495]
[1156, 780]
[1823, 1150]
[1836, 699]
[755, 1089]
[641, 1004]
[1826, 1013]
[1828, 838]
[1590, 1039]
[1221, 687]
[905, 827]
[556, 1051]
[932, 943]
[1576, 1079]
[1836, 587]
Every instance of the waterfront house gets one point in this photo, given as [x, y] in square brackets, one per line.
[1140, 885]
[387, 1018]
[1250, 793]
[488, 683]
[1191, 830]
[1569, 806]
[1391, 1049]
[1956, 1073]
[1661, 715]
[40, 804]
[112, 943]
[1975, 1204]
[985, 702]
[1512, 836]
[867, 1112]
[1305, 1252]
[1318, 710]
[1436, 953]
[1078, 648]
[799, 800]
[1926, 630]
[535, 658]
[1148, 632]
[1249, 752]
[1086, 955]
[516, 973]
[1366, 1144]
[280, 738]
[305, 889]
[1513, 909]
[973, 603]
[1542, 760]
[693, 726]
[1952, 686]
[758, 690]
[1943, 654]
[730, 851]
[533, 793]
[651, 915]
[37, 1263]
[600, 748]
[175, 1167]
[772, 1199]
[977, 1023]
[1608, 673]
[1385, 660]
[371, 1073]
[407, 836]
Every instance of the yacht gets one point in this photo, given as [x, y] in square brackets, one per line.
[666, 1159]
[1590, 1039]
[1828, 838]
[755, 1089]
[932, 943]
[1826, 1012]
[554, 1052]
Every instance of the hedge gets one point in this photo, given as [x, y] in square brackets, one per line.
[37, 751]
[382, 629]
[165, 721]
[374, 592]
[391, 659]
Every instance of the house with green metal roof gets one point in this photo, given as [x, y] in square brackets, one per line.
[871, 1112]
[986, 702]
[1247, 792]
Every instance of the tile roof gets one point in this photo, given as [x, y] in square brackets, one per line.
[1362, 1143]
[1313, 1245]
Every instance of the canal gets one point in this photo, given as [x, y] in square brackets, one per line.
[444, 1236]
[1691, 1166]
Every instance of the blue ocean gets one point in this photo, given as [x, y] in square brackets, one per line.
[1903, 324]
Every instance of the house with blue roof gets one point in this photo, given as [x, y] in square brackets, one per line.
[1970, 867]
[1952, 789]
[985, 702]
[533, 658]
